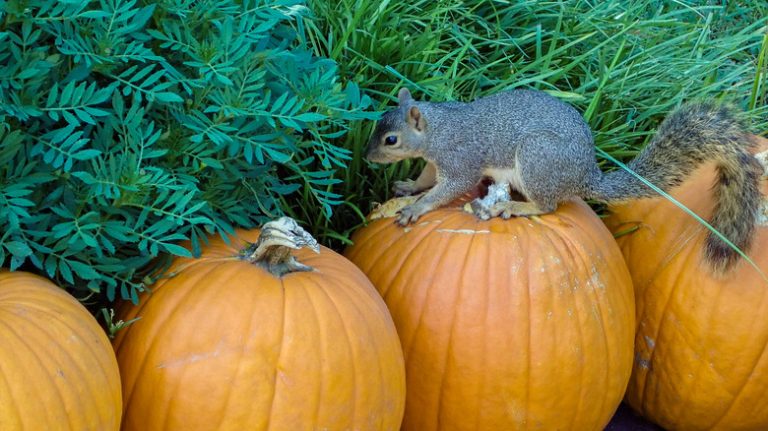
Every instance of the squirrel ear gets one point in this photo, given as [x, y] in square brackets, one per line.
[404, 96]
[415, 119]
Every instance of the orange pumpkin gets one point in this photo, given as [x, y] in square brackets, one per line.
[57, 368]
[505, 324]
[224, 344]
[700, 359]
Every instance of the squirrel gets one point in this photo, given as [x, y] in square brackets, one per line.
[543, 148]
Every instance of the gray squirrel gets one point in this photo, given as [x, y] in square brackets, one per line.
[543, 148]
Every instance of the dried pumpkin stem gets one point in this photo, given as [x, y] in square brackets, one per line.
[272, 250]
[496, 193]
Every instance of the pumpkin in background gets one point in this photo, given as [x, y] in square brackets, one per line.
[701, 360]
[228, 343]
[505, 324]
[57, 368]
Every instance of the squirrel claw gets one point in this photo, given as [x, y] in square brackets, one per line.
[507, 214]
[408, 215]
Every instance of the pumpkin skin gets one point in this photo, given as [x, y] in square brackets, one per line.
[505, 324]
[57, 368]
[701, 340]
[225, 345]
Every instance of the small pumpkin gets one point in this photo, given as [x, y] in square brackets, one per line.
[701, 339]
[258, 337]
[57, 368]
[505, 324]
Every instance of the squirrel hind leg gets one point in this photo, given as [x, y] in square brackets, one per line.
[511, 209]
[499, 202]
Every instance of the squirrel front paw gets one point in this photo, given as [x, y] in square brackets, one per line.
[410, 213]
[405, 188]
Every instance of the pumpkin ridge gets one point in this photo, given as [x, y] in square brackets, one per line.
[687, 400]
[350, 351]
[75, 365]
[529, 331]
[216, 268]
[577, 258]
[233, 273]
[19, 415]
[438, 258]
[683, 252]
[381, 226]
[680, 248]
[405, 257]
[749, 375]
[34, 354]
[486, 270]
[6, 384]
[279, 354]
[446, 367]
[659, 328]
[88, 344]
[602, 245]
[592, 298]
[414, 332]
[565, 247]
[317, 350]
[57, 349]
[128, 392]
[429, 289]
[384, 320]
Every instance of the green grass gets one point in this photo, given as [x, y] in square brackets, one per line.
[623, 64]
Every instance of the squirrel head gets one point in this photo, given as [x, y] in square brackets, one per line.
[400, 133]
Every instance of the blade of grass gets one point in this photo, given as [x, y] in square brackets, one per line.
[687, 211]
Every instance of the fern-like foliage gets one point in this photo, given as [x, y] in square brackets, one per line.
[128, 126]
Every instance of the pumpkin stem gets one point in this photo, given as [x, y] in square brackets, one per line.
[272, 250]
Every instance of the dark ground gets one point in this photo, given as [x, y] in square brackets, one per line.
[626, 420]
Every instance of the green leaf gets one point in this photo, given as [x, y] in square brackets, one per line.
[66, 271]
[67, 93]
[83, 270]
[177, 250]
[168, 97]
[310, 117]
[17, 248]
[95, 14]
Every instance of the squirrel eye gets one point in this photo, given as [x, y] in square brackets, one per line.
[390, 140]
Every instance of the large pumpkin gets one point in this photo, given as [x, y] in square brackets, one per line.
[225, 344]
[505, 324]
[701, 361]
[57, 368]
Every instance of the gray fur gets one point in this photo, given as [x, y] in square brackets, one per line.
[696, 133]
[550, 148]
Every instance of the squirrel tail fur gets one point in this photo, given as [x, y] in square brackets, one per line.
[694, 134]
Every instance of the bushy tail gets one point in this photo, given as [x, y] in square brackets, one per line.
[694, 134]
